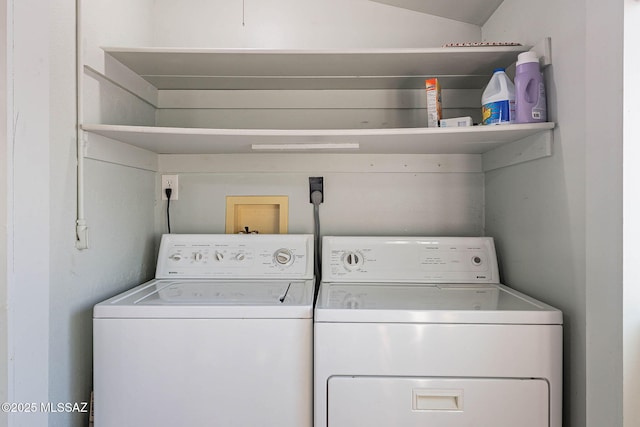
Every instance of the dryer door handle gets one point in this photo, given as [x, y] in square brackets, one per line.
[437, 400]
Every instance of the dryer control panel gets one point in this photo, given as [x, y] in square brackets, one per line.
[242, 256]
[409, 259]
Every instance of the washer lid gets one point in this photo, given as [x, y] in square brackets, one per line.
[225, 299]
[430, 303]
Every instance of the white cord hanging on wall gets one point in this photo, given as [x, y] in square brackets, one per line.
[82, 230]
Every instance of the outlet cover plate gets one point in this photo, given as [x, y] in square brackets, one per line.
[169, 181]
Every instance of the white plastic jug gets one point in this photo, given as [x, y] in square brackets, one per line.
[531, 103]
[498, 100]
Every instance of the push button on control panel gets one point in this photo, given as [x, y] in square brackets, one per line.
[188, 256]
[232, 256]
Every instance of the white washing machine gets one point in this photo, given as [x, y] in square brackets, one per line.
[418, 332]
[221, 337]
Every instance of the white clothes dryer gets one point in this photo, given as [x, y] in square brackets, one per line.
[419, 332]
[221, 337]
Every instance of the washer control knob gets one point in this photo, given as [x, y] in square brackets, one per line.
[476, 260]
[197, 256]
[283, 256]
[240, 257]
[219, 256]
[176, 257]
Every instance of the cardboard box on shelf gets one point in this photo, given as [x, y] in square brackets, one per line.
[434, 102]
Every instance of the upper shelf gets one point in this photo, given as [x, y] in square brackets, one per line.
[177, 68]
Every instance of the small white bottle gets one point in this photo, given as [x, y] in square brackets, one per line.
[498, 100]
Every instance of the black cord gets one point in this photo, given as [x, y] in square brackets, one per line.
[168, 192]
[318, 247]
[316, 199]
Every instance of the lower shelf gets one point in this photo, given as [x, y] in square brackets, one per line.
[472, 140]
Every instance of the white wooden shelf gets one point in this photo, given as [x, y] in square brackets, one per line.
[179, 68]
[226, 70]
[472, 140]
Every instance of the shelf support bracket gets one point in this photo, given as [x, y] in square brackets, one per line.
[526, 149]
[543, 52]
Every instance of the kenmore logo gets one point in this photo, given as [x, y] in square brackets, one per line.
[481, 277]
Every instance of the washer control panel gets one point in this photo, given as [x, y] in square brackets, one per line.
[235, 255]
[409, 259]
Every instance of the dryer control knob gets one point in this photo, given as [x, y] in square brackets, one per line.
[240, 257]
[176, 257]
[197, 256]
[283, 256]
[353, 259]
[219, 256]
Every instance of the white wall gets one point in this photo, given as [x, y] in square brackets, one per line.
[120, 203]
[631, 289]
[113, 23]
[5, 167]
[121, 254]
[28, 285]
[300, 24]
[557, 220]
[364, 195]
[603, 182]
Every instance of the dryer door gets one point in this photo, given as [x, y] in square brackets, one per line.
[442, 402]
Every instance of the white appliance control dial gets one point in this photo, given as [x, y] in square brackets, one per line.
[353, 259]
[283, 256]
[176, 257]
[240, 257]
[219, 256]
[197, 256]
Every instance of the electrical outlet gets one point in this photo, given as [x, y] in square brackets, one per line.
[169, 181]
[316, 183]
